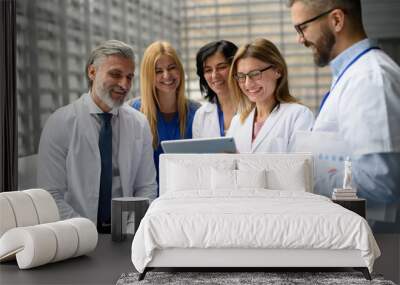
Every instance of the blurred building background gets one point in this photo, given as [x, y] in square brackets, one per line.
[54, 38]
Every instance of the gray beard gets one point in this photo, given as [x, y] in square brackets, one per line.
[105, 96]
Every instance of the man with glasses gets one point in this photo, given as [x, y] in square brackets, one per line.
[362, 106]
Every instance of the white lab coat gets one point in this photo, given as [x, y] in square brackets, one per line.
[363, 110]
[277, 133]
[364, 107]
[69, 158]
[206, 122]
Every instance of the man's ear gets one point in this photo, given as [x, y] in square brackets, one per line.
[337, 20]
[91, 72]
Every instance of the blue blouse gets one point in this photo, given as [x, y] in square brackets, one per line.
[169, 130]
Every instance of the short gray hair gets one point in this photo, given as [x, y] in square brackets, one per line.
[107, 48]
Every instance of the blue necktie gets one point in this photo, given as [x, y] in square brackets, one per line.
[105, 147]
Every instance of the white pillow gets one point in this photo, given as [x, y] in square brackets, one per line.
[251, 178]
[225, 179]
[185, 175]
[292, 178]
[282, 174]
[183, 178]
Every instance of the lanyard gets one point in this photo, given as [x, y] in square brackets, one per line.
[341, 74]
[221, 120]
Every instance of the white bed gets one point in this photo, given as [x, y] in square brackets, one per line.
[247, 210]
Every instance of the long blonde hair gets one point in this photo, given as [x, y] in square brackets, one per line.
[148, 93]
[265, 51]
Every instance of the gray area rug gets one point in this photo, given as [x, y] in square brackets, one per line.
[270, 278]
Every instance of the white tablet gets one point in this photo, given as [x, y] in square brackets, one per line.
[203, 145]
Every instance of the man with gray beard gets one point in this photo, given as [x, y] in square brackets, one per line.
[96, 148]
[362, 107]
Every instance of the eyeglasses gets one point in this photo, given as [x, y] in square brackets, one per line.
[299, 27]
[253, 75]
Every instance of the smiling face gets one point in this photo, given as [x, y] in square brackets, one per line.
[259, 90]
[216, 71]
[112, 79]
[167, 78]
[322, 48]
[316, 35]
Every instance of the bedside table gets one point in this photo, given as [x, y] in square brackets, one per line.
[355, 205]
[121, 208]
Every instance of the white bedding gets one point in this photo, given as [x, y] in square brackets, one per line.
[251, 218]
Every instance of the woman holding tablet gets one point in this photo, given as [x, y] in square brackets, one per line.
[268, 114]
[213, 62]
[162, 96]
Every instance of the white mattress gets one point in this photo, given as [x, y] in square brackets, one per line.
[252, 218]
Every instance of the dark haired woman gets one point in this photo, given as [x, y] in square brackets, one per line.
[213, 62]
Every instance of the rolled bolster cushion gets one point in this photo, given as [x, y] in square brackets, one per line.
[66, 238]
[23, 208]
[7, 218]
[33, 246]
[26, 208]
[40, 244]
[46, 207]
[87, 235]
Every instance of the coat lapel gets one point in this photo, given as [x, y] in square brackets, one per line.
[214, 122]
[271, 121]
[247, 130]
[86, 124]
[127, 147]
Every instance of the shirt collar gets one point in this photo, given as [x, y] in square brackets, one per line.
[94, 109]
[210, 107]
[339, 63]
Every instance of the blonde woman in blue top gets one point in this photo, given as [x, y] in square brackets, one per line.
[213, 62]
[162, 96]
